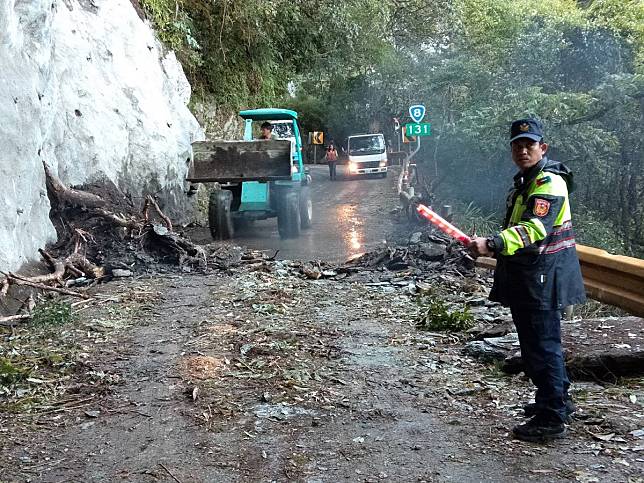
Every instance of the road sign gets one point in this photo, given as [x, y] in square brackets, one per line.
[417, 112]
[407, 139]
[318, 137]
[422, 129]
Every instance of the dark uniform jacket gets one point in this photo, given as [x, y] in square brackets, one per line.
[537, 265]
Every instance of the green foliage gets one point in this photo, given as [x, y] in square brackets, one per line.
[471, 219]
[436, 315]
[625, 18]
[50, 313]
[592, 230]
[175, 29]
[245, 54]
[10, 373]
[477, 64]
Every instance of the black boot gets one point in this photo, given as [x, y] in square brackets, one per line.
[540, 428]
[531, 409]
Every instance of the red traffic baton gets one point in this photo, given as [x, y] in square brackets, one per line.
[443, 225]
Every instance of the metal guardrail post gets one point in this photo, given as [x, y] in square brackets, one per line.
[405, 166]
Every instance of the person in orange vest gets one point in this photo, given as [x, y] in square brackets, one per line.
[331, 158]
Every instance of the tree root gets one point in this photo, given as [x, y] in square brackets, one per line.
[83, 266]
[93, 212]
[149, 201]
[68, 196]
[14, 279]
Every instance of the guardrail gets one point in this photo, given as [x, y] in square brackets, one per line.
[611, 279]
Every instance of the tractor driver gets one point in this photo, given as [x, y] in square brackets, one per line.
[266, 131]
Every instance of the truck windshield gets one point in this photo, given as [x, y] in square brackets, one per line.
[365, 145]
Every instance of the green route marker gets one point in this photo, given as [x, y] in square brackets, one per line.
[418, 129]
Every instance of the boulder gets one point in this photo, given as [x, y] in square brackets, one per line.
[87, 88]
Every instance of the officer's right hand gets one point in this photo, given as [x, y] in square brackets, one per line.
[478, 247]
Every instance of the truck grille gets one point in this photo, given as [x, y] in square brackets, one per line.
[367, 165]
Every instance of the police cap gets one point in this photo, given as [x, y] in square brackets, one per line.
[526, 128]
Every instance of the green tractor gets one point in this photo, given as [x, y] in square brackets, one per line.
[256, 179]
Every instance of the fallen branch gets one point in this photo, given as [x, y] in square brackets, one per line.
[84, 266]
[56, 276]
[9, 320]
[73, 270]
[130, 224]
[17, 280]
[170, 473]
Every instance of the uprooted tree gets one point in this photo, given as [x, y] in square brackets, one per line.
[96, 234]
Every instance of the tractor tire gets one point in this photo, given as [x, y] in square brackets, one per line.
[383, 175]
[306, 207]
[288, 216]
[219, 216]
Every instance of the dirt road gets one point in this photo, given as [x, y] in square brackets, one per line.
[260, 373]
[350, 216]
[263, 375]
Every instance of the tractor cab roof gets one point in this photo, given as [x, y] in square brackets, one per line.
[269, 114]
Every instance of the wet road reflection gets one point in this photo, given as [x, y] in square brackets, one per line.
[350, 216]
[354, 237]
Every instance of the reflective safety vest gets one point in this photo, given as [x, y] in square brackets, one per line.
[537, 264]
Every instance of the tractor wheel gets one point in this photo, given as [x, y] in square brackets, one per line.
[306, 207]
[219, 216]
[383, 175]
[288, 215]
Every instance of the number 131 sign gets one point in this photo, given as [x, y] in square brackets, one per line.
[422, 129]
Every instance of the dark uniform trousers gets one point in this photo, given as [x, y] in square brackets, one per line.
[540, 339]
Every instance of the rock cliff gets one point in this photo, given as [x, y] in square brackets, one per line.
[85, 86]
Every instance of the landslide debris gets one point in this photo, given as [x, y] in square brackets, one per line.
[104, 234]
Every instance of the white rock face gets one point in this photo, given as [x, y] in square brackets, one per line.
[86, 87]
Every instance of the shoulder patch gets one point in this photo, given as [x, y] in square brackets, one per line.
[541, 207]
[544, 180]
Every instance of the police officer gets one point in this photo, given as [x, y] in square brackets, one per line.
[537, 274]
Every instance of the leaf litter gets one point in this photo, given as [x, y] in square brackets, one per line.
[280, 345]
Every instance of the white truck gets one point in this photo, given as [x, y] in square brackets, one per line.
[367, 154]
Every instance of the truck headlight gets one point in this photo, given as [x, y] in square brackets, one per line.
[383, 163]
[352, 167]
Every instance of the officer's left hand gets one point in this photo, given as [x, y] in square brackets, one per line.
[478, 247]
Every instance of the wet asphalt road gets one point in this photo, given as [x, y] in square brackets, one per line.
[350, 216]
